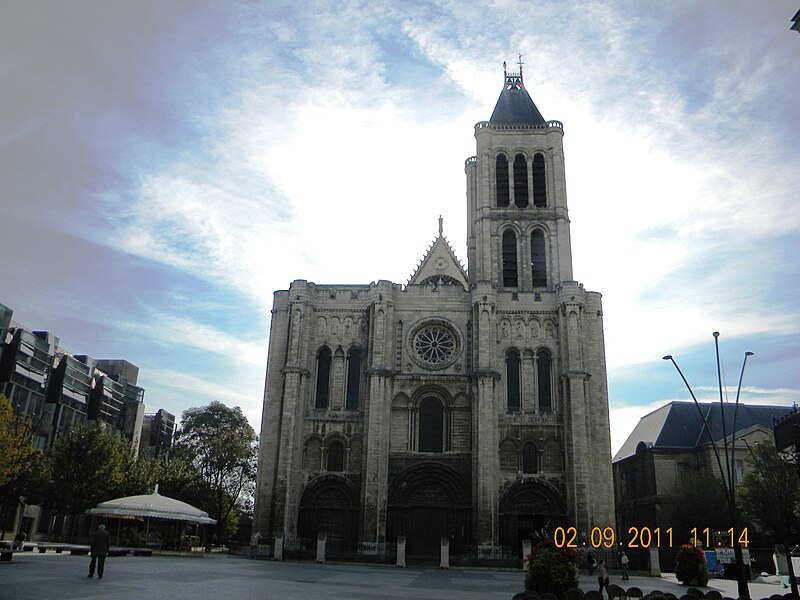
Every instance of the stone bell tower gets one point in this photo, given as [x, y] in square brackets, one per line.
[539, 382]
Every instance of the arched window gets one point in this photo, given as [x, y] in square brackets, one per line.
[353, 379]
[431, 422]
[323, 379]
[336, 457]
[551, 457]
[509, 258]
[530, 456]
[512, 380]
[538, 262]
[545, 381]
[501, 180]
[508, 456]
[520, 181]
[539, 185]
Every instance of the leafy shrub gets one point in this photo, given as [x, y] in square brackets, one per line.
[690, 566]
[551, 569]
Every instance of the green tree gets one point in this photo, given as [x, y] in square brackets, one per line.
[701, 500]
[16, 442]
[222, 447]
[17, 455]
[88, 467]
[769, 494]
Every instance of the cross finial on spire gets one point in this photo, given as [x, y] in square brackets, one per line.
[520, 63]
[441, 226]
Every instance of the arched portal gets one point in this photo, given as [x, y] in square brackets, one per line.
[429, 501]
[330, 504]
[528, 506]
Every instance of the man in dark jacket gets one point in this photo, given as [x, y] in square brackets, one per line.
[100, 543]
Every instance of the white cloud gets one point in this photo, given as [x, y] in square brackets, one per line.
[178, 331]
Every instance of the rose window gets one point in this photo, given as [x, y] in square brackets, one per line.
[434, 345]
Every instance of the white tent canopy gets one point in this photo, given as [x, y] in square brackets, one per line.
[151, 506]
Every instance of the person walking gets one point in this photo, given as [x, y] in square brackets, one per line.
[100, 543]
[602, 576]
[624, 561]
[19, 541]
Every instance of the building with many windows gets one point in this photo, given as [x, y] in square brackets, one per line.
[158, 430]
[57, 389]
[469, 403]
[669, 448]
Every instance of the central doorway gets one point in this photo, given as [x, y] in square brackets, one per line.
[427, 502]
[527, 507]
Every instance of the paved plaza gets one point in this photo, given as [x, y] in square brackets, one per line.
[220, 577]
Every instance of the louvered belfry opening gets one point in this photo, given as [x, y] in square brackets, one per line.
[539, 182]
[512, 381]
[501, 180]
[509, 258]
[520, 181]
[538, 259]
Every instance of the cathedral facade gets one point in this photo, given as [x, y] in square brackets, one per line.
[470, 404]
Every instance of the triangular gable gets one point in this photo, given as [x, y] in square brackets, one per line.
[440, 266]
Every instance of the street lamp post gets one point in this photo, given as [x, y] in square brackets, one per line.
[729, 470]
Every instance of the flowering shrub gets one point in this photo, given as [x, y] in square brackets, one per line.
[690, 566]
[551, 569]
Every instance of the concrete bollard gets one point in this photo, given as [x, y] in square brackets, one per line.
[655, 563]
[278, 548]
[526, 552]
[444, 553]
[321, 539]
[401, 551]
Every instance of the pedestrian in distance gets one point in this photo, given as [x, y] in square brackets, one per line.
[100, 543]
[591, 563]
[624, 561]
[602, 576]
[19, 541]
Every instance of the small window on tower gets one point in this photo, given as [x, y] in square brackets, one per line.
[539, 182]
[512, 381]
[509, 258]
[538, 263]
[501, 180]
[520, 181]
[353, 379]
[545, 381]
[323, 378]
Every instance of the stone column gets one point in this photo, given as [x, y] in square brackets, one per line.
[528, 383]
[337, 380]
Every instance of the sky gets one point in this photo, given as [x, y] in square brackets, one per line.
[166, 166]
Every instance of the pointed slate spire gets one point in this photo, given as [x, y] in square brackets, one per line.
[514, 106]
